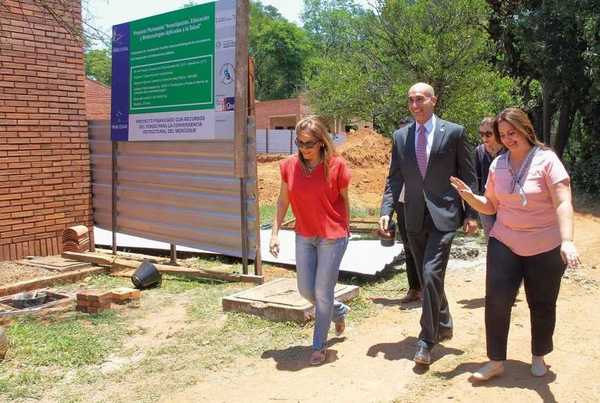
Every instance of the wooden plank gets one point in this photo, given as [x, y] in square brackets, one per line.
[36, 248]
[49, 281]
[43, 249]
[90, 257]
[119, 264]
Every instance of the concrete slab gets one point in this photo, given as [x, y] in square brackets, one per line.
[279, 300]
[53, 263]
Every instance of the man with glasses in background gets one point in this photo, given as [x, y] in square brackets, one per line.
[484, 155]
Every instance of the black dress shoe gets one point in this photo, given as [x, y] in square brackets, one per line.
[445, 335]
[422, 356]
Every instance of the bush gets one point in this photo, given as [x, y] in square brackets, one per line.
[585, 175]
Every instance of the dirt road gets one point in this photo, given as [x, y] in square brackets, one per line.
[374, 362]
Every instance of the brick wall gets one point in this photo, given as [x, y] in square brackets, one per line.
[97, 100]
[280, 107]
[44, 157]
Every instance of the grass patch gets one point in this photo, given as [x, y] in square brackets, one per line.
[41, 350]
[68, 343]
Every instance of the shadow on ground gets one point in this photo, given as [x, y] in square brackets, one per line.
[516, 375]
[297, 358]
[405, 350]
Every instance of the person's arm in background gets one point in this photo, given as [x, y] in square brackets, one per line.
[466, 173]
[561, 198]
[283, 203]
[393, 186]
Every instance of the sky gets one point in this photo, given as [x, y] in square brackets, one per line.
[107, 13]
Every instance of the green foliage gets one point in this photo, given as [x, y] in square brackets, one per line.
[98, 65]
[556, 44]
[585, 175]
[402, 42]
[280, 49]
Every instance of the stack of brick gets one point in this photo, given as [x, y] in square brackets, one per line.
[76, 239]
[125, 295]
[92, 301]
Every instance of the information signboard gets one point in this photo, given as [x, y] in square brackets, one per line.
[174, 75]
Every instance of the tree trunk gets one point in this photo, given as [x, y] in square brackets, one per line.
[565, 121]
[547, 113]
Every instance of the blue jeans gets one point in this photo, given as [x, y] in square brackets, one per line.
[317, 267]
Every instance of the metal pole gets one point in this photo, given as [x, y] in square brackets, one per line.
[173, 254]
[114, 196]
[244, 229]
[291, 143]
[267, 139]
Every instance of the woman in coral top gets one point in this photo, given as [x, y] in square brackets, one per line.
[315, 182]
[531, 241]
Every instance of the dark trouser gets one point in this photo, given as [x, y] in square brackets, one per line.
[431, 249]
[411, 268]
[541, 275]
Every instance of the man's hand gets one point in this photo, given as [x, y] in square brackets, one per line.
[384, 221]
[470, 226]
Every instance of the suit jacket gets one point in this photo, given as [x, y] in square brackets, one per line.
[450, 156]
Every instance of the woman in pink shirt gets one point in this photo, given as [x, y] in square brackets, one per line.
[529, 190]
[315, 182]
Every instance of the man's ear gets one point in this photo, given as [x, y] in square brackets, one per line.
[434, 100]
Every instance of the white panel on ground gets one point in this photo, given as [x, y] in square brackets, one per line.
[362, 256]
[365, 257]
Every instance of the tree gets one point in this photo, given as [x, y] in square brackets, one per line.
[442, 42]
[550, 44]
[98, 65]
[280, 50]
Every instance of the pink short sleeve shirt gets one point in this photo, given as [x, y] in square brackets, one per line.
[528, 229]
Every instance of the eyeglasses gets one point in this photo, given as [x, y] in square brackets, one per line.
[486, 134]
[306, 144]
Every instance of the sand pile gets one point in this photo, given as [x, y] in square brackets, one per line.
[366, 148]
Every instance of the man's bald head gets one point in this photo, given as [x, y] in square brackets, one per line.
[421, 102]
[422, 88]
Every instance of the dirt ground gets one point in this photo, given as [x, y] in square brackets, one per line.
[373, 362]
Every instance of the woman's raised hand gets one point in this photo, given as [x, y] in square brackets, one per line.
[463, 189]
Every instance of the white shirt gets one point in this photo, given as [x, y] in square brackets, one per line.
[429, 130]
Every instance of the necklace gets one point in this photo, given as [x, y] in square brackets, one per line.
[308, 169]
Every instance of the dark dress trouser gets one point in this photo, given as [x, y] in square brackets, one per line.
[431, 250]
[411, 268]
[541, 275]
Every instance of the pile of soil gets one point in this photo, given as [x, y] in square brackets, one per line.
[367, 153]
[366, 148]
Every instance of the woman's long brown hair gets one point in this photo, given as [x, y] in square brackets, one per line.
[314, 126]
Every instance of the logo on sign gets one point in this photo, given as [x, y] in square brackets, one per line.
[226, 73]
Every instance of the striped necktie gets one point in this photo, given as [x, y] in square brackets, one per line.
[421, 150]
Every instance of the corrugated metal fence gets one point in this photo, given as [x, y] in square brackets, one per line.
[270, 141]
[183, 192]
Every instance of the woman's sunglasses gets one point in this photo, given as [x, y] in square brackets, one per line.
[306, 144]
[486, 134]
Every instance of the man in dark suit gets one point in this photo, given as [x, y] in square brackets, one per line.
[424, 156]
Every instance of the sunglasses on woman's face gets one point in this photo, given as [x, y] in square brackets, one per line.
[306, 144]
[485, 134]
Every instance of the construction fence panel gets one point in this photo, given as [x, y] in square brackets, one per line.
[180, 192]
[270, 141]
